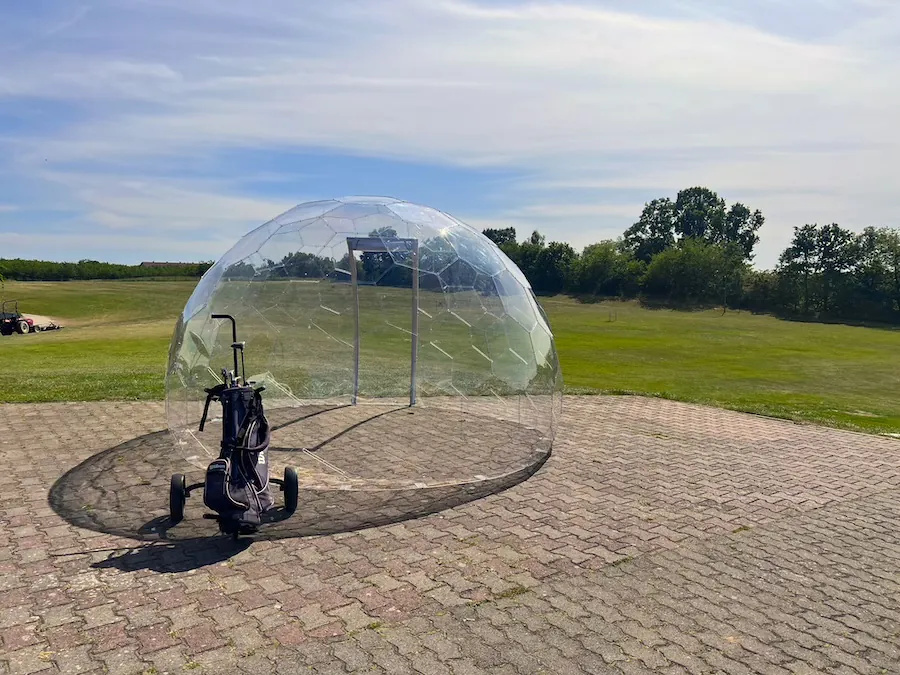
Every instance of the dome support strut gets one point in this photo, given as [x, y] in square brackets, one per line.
[390, 245]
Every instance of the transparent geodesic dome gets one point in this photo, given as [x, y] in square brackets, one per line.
[397, 346]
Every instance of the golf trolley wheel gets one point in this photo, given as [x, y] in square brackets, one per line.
[291, 490]
[177, 497]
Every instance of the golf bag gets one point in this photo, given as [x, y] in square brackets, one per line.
[237, 483]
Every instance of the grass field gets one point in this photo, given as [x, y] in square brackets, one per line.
[115, 346]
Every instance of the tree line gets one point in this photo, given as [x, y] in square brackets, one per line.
[696, 251]
[42, 270]
[693, 251]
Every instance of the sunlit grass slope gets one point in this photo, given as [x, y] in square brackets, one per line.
[115, 346]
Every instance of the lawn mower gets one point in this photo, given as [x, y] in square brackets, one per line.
[237, 485]
[13, 321]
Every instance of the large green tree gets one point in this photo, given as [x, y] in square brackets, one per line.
[654, 232]
[553, 268]
[889, 252]
[546, 266]
[501, 237]
[799, 262]
[694, 271]
[606, 268]
[697, 213]
[818, 262]
[837, 254]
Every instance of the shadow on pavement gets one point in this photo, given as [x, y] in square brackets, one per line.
[123, 491]
[179, 556]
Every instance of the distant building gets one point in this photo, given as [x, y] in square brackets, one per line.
[165, 264]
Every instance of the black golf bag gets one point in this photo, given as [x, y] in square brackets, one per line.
[237, 483]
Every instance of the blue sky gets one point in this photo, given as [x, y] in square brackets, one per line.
[166, 129]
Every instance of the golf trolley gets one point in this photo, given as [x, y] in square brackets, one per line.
[237, 485]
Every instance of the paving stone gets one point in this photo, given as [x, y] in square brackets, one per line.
[156, 637]
[17, 637]
[123, 661]
[74, 661]
[201, 637]
[659, 537]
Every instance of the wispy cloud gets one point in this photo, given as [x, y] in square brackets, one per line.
[167, 206]
[599, 106]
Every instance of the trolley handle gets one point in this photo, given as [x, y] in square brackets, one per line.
[234, 340]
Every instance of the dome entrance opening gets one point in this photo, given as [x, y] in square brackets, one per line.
[377, 256]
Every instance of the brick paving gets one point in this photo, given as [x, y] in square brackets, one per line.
[659, 538]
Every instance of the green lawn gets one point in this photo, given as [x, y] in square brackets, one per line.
[115, 346]
[837, 375]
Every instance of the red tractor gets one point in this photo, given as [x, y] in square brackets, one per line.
[12, 321]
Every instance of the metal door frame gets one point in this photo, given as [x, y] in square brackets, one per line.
[385, 245]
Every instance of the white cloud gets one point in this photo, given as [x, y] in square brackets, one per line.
[454, 81]
[127, 218]
[165, 206]
[575, 93]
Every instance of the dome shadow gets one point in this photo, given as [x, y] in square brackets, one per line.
[123, 490]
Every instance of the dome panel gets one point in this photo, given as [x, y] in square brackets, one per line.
[338, 313]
